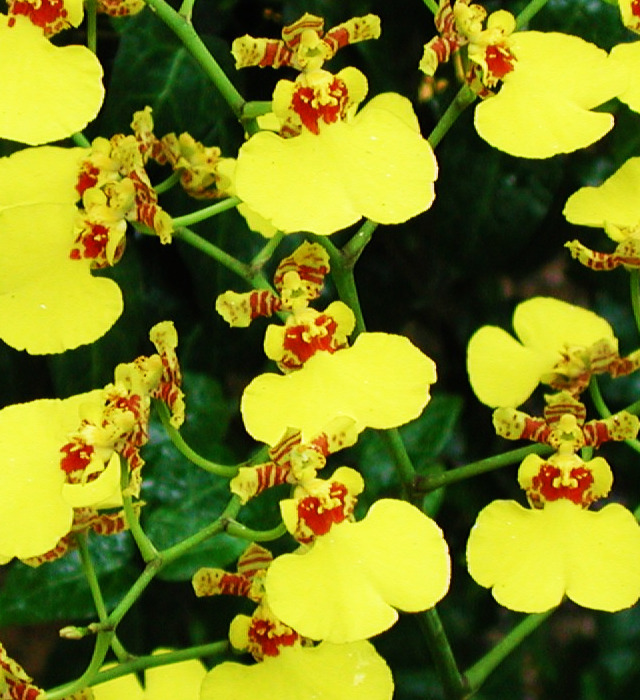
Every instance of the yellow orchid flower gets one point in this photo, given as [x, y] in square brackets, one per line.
[381, 382]
[347, 584]
[52, 303]
[329, 166]
[533, 558]
[559, 344]
[58, 90]
[613, 205]
[549, 82]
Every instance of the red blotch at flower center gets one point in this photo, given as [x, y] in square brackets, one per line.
[319, 514]
[306, 340]
[320, 104]
[50, 15]
[269, 636]
[77, 456]
[500, 61]
[548, 485]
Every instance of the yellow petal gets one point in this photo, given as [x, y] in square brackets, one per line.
[326, 672]
[548, 325]
[53, 94]
[178, 680]
[376, 166]
[346, 586]
[532, 558]
[502, 372]
[616, 201]
[543, 107]
[628, 56]
[48, 302]
[46, 174]
[123, 688]
[103, 492]
[381, 382]
[34, 515]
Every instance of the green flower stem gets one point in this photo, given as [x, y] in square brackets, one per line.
[634, 284]
[267, 252]
[167, 184]
[92, 26]
[236, 529]
[100, 650]
[142, 663]
[342, 273]
[633, 408]
[529, 11]
[403, 463]
[212, 251]
[183, 29]
[179, 442]
[453, 683]
[147, 550]
[432, 6]
[219, 525]
[90, 575]
[603, 409]
[461, 101]
[480, 671]
[354, 248]
[206, 213]
[81, 140]
[426, 483]
[255, 109]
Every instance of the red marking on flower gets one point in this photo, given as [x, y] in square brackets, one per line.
[49, 15]
[77, 456]
[317, 516]
[500, 61]
[595, 433]
[24, 691]
[263, 303]
[548, 487]
[255, 558]
[235, 584]
[91, 244]
[87, 178]
[301, 342]
[635, 8]
[329, 107]
[263, 634]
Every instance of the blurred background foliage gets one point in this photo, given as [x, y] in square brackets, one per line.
[494, 237]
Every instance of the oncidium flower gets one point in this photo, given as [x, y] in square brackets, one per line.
[559, 344]
[177, 680]
[382, 381]
[615, 206]
[61, 458]
[549, 83]
[533, 558]
[54, 303]
[289, 666]
[49, 301]
[348, 580]
[58, 90]
[328, 166]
